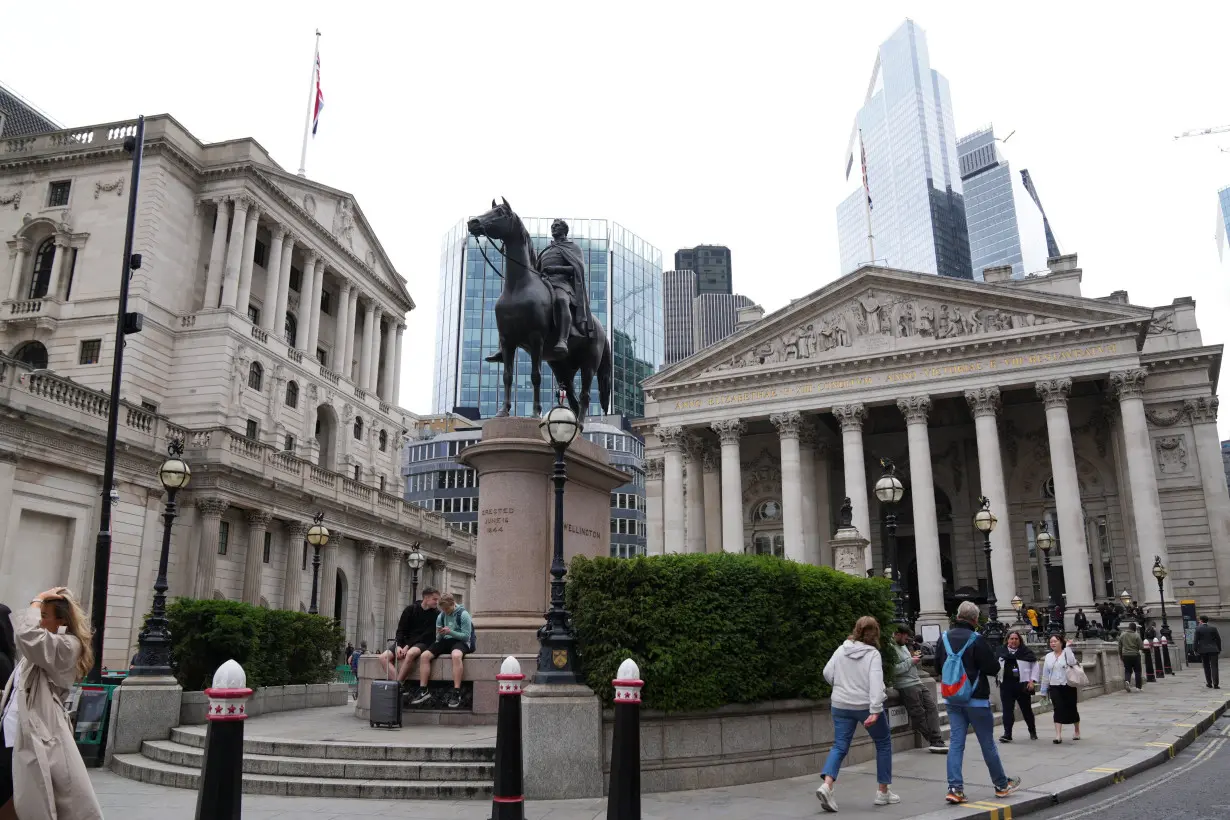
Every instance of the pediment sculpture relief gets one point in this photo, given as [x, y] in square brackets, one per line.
[761, 476]
[875, 320]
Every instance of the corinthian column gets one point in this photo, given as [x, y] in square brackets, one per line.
[711, 463]
[366, 368]
[653, 507]
[807, 478]
[926, 526]
[672, 443]
[787, 425]
[396, 389]
[245, 264]
[211, 510]
[217, 253]
[367, 594]
[851, 416]
[19, 265]
[328, 578]
[307, 286]
[729, 433]
[1203, 413]
[984, 405]
[392, 593]
[339, 330]
[295, 534]
[695, 495]
[317, 292]
[273, 277]
[1054, 394]
[258, 525]
[234, 253]
[279, 321]
[390, 353]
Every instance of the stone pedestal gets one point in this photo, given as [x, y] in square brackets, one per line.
[144, 708]
[561, 730]
[849, 552]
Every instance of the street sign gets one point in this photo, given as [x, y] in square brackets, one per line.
[898, 717]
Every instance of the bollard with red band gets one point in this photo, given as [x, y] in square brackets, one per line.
[1166, 655]
[1159, 669]
[221, 787]
[508, 802]
[1147, 652]
[624, 791]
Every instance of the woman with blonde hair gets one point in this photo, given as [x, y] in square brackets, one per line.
[857, 677]
[53, 646]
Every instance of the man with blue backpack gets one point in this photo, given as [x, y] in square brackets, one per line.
[967, 665]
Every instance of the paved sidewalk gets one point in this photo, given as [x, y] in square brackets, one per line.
[1122, 734]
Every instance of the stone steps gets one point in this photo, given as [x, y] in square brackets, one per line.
[194, 736]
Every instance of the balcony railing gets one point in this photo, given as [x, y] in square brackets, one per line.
[93, 137]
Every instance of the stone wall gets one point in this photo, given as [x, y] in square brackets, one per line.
[269, 699]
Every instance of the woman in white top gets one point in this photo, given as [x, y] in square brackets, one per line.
[1055, 686]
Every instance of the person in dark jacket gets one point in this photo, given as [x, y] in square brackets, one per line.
[981, 666]
[1207, 643]
[1019, 672]
[1081, 621]
[416, 631]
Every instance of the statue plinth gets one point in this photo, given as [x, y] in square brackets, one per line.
[849, 552]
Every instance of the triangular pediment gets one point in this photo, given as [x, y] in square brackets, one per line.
[878, 311]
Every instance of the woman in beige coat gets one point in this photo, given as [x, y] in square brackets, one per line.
[50, 781]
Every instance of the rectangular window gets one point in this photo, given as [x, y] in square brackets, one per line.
[268, 547]
[321, 356]
[254, 314]
[57, 194]
[381, 483]
[253, 429]
[224, 536]
[325, 302]
[150, 406]
[91, 349]
[258, 253]
[289, 444]
[296, 277]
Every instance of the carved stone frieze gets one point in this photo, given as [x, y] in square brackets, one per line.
[116, 185]
[1162, 322]
[13, 199]
[1171, 454]
[1202, 410]
[761, 476]
[654, 469]
[343, 222]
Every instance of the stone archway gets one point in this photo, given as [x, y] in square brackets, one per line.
[33, 354]
[326, 437]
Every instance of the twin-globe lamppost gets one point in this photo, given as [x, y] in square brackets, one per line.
[557, 659]
[985, 521]
[317, 536]
[889, 490]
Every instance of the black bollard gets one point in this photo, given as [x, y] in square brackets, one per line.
[508, 802]
[624, 790]
[221, 788]
[1159, 670]
[1147, 652]
[1166, 655]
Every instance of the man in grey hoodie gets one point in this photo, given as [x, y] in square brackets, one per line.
[916, 698]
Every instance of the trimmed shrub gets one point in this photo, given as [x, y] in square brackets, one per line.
[274, 647]
[708, 630]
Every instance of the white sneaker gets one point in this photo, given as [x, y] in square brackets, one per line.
[825, 795]
[886, 798]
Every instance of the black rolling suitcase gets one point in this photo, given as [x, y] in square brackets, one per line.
[385, 704]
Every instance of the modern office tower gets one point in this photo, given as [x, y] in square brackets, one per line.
[711, 264]
[1223, 225]
[1004, 216]
[625, 293]
[906, 210]
[715, 316]
[678, 320]
[19, 118]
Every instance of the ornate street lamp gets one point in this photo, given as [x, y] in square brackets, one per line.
[890, 491]
[985, 521]
[415, 560]
[154, 644]
[1046, 542]
[557, 659]
[1160, 573]
[1018, 604]
[317, 536]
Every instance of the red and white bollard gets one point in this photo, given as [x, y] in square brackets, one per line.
[221, 788]
[1147, 652]
[624, 791]
[508, 801]
[1166, 655]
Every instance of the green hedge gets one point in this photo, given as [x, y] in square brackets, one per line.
[274, 647]
[707, 630]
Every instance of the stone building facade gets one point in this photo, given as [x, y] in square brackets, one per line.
[1094, 416]
[271, 346]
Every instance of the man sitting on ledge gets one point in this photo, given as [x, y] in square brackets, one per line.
[453, 631]
[416, 631]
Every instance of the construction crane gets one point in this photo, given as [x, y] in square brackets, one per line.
[1200, 132]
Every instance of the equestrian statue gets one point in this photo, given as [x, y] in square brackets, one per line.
[543, 309]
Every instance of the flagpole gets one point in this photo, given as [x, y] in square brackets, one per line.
[307, 125]
[871, 241]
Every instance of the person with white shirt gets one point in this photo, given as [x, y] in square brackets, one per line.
[1055, 686]
[1018, 676]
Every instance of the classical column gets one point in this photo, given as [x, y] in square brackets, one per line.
[295, 534]
[211, 510]
[851, 416]
[57, 264]
[1129, 385]
[672, 442]
[258, 525]
[234, 253]
[217, 253]
[787, 425]
[273, 276]
[392, 595]
[729, 433]
[1203, 413]
[351, 326]
[390, 355]
[367, 593]
[653, 507]
[807, 479]
[926, 526]
[984, 405]
[19, 265]
[279, 320]
[396, 392]
[824, 517]
[307, 286]
[1071, 535]
[317, 291]
[373, 377]
[365, 350]
[246, 263]
[339, 329]
[695, 496]
[328, 577]
[711, 464]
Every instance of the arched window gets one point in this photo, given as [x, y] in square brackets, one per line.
[384, 441]
[292, 329]
[768, 511]
[33, 354]
[42, 269]
[358, 427]
[256, 375]
[292, 395]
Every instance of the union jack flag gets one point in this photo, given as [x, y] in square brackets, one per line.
[320, 98]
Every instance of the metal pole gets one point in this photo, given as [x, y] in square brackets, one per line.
[307, 126]
[993, 631]
[102, 546]
[557, 659]
[414, 584]
[1055, 627]
[154, 655]
[890, 523]
[312, 610]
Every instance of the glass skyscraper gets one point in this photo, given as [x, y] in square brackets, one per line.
[907, 210]
[625, 292]
[1223, 225]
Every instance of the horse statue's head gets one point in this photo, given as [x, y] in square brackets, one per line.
[498, 223]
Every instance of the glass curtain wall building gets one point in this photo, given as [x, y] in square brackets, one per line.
[625, 291]
[1223, 226]
[907, 210]
[711, 263]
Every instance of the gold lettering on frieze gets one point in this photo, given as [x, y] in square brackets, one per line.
[995, 363]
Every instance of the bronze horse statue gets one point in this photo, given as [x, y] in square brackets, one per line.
[524, 318]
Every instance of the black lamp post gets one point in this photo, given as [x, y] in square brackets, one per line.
[317, 536]
[557, 658]
[154, 644]
[1046, 542]
[1160, 573]
[415, 560]
[890, 492]
[985, 521]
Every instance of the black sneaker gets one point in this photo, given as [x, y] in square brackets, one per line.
[454, 699]
[1005, 739]
[422, 697]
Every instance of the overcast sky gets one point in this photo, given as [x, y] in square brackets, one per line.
[686, 122]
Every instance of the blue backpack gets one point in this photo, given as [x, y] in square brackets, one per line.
[955, 685]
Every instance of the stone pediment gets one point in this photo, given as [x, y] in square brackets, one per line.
[873, 312]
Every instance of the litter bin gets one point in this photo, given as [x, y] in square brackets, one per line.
[93, 712]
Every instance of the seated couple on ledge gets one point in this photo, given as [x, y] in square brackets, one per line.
[426, 632]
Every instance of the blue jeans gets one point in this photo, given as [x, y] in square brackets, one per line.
[845, 721]
[960, 718]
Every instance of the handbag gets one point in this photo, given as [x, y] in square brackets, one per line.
[1076, 674]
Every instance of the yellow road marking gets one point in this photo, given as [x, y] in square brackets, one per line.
[1103, 769]
[1185, 725]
